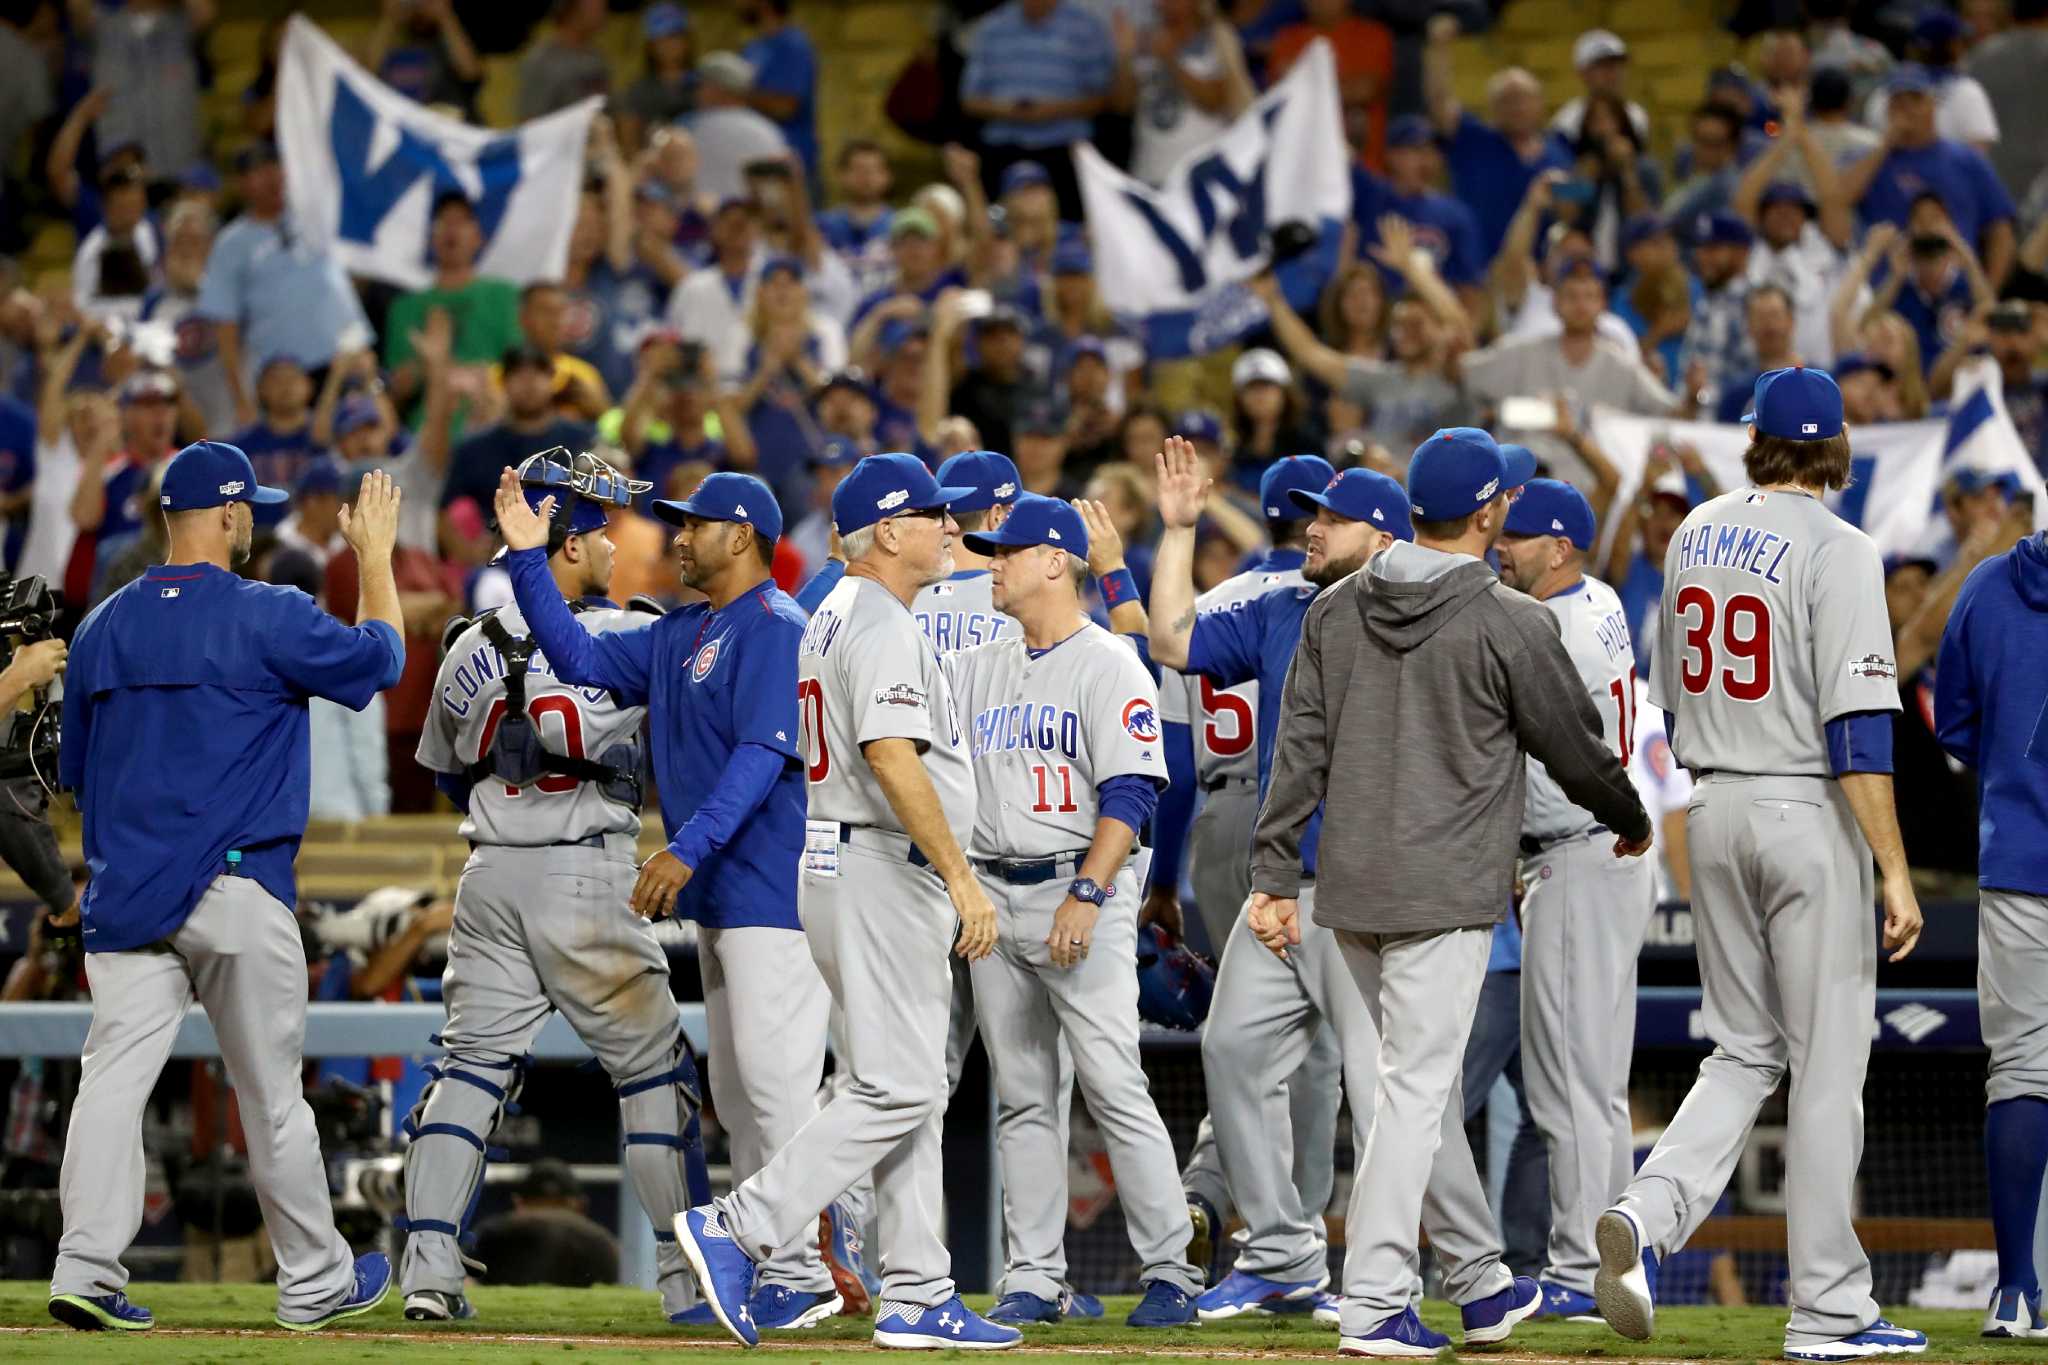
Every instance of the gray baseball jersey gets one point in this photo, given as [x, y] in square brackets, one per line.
[1223, 722]
[1595, 633]
[866, 672]
[959, 612]
[1046, 730]
[1773, 624]
[469, 701]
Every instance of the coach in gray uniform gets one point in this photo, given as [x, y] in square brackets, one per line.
[1423, 675]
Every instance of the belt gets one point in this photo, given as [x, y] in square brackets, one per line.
[1220, 783]
[886, 840]
[1032, 871]
[587, 841]
[1532, 845]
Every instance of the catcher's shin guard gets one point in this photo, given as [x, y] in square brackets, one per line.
[449, 1134]
[664, 1159]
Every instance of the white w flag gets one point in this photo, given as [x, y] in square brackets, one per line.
[1981, 435]
[363, 165]
[1168, 257]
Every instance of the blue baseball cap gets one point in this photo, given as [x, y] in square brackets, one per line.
[1910, 78]
[990, 475]
[1360, 494]
[726, 496]
[1786, 192]
[355, 413]
[1856, 362]
[1721, 228]
[1968, 479]
[1290, 474]
[1072, 256]
[1796, 404]
[213, 474]
[1938, 25]
[1552, 507]
[585, 515]
[836, 453]
[883, 486]
[1200, 424]
[1024, 174]
[664, 20]
[1081, 346]
[1641, 228]
[1456, 472]
[1034, 520]
[321, 476]
[788, 265]
[1410, 130]
[1521, 463]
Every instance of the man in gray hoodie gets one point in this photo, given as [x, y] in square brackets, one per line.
[1421, 686]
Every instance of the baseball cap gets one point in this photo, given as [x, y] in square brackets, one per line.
[201, 176]
[1552, 507]
[1720, 228]
[1360, 494]
[1968, 479]
[1259, 365]
[1831, 90]
[903, 222]
[1023, 175]
[852, 378]
[1292, 474]
[1410, 130]
[1455, 472]
[523, 357]
[836, 453]
[1796, 404]
[278, 358]
[321, 476]
[1596, 45]
[355, 413]
[884, 486]
[1937, 25]
[664, 20]
[788, 265]
[726, 496]
[213, 474]
[1856, 362]
[1073, 257]
[1001, 315]
[727, 70]
[2011, 315]
[1081, 346]
[149, 386]
[1520, 462]
[1034, 520]
[1200, 424]
[1786, 192]
[657, 192]
[990, 476]
[1041, 416]
[1642, 228]
[263, 153]
[1909, 78]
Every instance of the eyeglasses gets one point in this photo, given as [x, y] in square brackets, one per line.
[922, 514]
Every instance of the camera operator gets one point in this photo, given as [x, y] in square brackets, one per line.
[27, 843]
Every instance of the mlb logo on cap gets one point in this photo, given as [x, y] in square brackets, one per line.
[1796, 404]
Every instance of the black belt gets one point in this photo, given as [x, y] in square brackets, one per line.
[1531, 845]
[587, 841]
[1031, 871]
[1220, 783]
[914, 855]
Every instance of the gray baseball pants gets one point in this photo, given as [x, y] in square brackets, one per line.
[239, 955]
[2012, 992]
[880, 931]
[1584, 915]
[1782, 894]
[1416, 1167]
[1026, 1006]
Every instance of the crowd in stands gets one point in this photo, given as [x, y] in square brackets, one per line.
[1868, 192]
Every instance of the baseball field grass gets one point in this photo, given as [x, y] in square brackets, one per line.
[202, 1322]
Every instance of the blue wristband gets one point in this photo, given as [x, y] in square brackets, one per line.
[1118, 587]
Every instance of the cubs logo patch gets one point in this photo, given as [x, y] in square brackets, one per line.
[1141, 721]
[1545, 873]
[706, 660]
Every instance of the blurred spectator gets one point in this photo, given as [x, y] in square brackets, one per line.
[1842, 139]
[1940, 285]
[1655, 292]
[858, 228]
[18, 441]
[922, 271]
[1181, 79]
[1613, 179]
[665, 178]
[1803, 227]
[580, 392]
[785, 71]
[1351, 315]
[1437, 224]
[1784, 69]
[1890, 340]
[613, 297]
[280, 441]
[269, 291]
[1364, 50]
[530, 424]
[900, 386]
[1769, 319]
[812, 534]
[1601, 60]
[1492, 164]
[68, 427]
[1915, 160]
[845, 410]
[1867, 393]
[1962, 110]
[1836, 46]
[2009, 67]
[1083, 389]
[77, 192]
[1074, 312]
[313, 527]
[202, 380]
[1524, 275]
[145, 57]
[26, 93]
[995, 383]
[728, 131]
[106, 508]
[1039, 440]
[548, 1238]
[1715, 145]
[712, 305]
[795, 348]
[566, 65]
[1039, 71]
[1642, 535]
[354, 418]
[420, 49]
[789, 228]
[1266, 418]
[1716, 352]
[483, 309]
[2015, 342]
[351, 781]
[118, 261]
[667, 88]
[259, 99]
[671, 410]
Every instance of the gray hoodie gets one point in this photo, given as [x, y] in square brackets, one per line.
[1420, 686]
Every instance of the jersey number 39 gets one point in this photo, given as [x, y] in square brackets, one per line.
[1743, 638]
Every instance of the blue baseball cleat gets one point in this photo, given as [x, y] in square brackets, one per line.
[778, 1308]
[1164, 1305]
[700, 1316]
[1623, 1287]
[1328, 1310]
[725, 1273]
[101, 1312]
[1020, 1308]
[373, 1282]
[1881, 1338]
[2014, 1313]
[1490, 1319]
[1075, 1304]
[840, 1245]
[1568, 1305]
[949, 1326]
[1243, 1292]
[437, 1305]
[1402, 1337]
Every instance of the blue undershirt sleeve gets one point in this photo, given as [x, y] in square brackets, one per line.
[1860, 742]
[1129, 798]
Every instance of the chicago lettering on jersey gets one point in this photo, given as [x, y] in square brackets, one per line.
[1021, 725]
[484, 665]
[955, 630]
[1748, 548]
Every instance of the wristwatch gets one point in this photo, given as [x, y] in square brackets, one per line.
[1085, 889]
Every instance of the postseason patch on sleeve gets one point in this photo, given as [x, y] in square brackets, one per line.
[900, 694]
[1873, 666]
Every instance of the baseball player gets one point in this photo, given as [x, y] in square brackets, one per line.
[185, 740]
[1989, 698]
[1220, 723]
[884, 892]
[1774, 667]
[1584, 911]
[546, 774]
[1064, 727]
[724, 732]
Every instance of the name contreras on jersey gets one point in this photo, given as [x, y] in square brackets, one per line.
[955, 630]
[1748, 548]
[1023, 726]
[485, 664]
